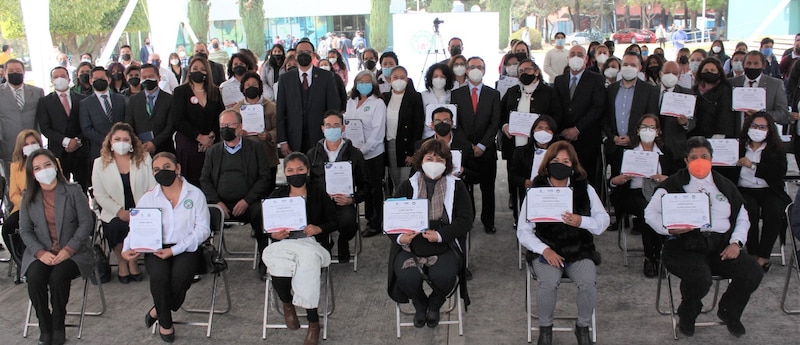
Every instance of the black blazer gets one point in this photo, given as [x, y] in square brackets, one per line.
[479, 127]
[254, 165]
[585, 110]
[320, 210]
[56, 125]
[193, 119]
[543, 101]
[772, 169]
[159, 122]
[713, 113]
[673, 133]
[645, 101]
[318, 157]
[409, 123]
[95, 124]
[217, 72]
[292, 117]
[521, 168]
[460, 143]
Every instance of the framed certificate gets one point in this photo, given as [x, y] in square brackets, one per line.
[676, 103]
[546, 205]
[726, 151]
[287, 213]
[145, 234]
[685, 210]
[252, 118]
[339, 178]
[431, 107]
[639, 163]
[405, 215]
[749, 98]
[520, 123]
[354, 130]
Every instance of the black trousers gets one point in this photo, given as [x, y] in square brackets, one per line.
[78, 166]
[169, 281]
[373, 208]
[632, 201]
[588, 149]
[442, 274]
[695, 270]
[346, 216]
[762, 203]
[486, 179]
[10, 225]
[57, 279]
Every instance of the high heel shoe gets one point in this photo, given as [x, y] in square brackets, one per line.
[124, 279]
[136, 277]
[167, 338]
[149, 321]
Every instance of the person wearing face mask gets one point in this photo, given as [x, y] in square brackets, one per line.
[438, 247]
[601, 55]
[630, 194]
[217, 70]
[674, 128]
[126, 57]
[789, 58]
[458, 64]
[777, 105]
[120, 176]
[146, 50]
[116, 79]
[740, 47]
[528, 158]
[176, 68]
[252, 88]
[185, 223]
[326, 65]
[338, 66]
[713, 114]
[509, 74]
[652, 71]
[335, 148]
[455, 46]
[82, 84]
[771, 64]
[694, 255]
[479, 117]
[100, 111]
[441, 123]
[271, 70]
[148, 112]
[439, 80]
[404, 121]
[736, 65]
[611, 70]
[690, 78]
[238, 65]
[717, 50]
[686, 78]
[387, 61]
[18, 104]
[760, 180]
[564, 248]
[370, 57]
[218, 54]
[295, 258]
[555, 60]
[55, 223]
[134, 81]
[168, 81]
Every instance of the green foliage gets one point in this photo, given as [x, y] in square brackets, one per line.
[379, 24]
[439, 6]
[534, 35]
[11, 21]
[252, 12]
[504, 7]
[198, 18]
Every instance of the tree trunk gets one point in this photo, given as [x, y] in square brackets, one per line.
[576, 17]
[627, 16]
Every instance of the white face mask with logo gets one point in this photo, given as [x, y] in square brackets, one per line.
[61, 84]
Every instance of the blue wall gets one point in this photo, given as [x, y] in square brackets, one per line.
[744, 16]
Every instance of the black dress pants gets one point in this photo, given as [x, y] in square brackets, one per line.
[763, 204]
[57, 279]
[632, 201]
[442, 274]
[486, 179]
[374, 204]
[169, 281]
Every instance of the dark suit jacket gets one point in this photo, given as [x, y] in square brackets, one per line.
[291, 115]
[256, 170]
[217, 71]
[674, 134]
[772, 169]
[159, 122]
[460, 143]
[56, 125]
[95, 124]
[193, 119]
[713, 113]
[645, 101]
[479, 127]
[585, 110]
[347, 153]
[543, 102]
[409, 123]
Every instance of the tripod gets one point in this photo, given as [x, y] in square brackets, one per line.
[435, 47]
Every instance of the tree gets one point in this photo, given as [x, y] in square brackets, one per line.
[379, 24]
[504, 8]
[439, 6]
[11, 21]
[198, 18]
[252, 12]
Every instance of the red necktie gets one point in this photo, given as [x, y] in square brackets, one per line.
[474, 99]
[64, 102]
[305, 81]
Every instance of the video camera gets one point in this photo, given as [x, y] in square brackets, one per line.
[436, 23]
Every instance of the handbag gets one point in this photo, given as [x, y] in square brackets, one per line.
[215, 263]
[101, 264]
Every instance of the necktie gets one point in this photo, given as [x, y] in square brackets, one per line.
[107, 105]
[305, 81]
[65, 103]
[150, 104]
[474, 99]
[20, 100]
[752, 82]
[572, 86]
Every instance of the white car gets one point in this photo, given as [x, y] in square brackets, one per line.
[578, 38]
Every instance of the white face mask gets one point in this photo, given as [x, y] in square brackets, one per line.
[756, 135]
[716, 49]
[629, 73]
[332, 60]
[459, 70]
[601, 59]
[326, 67]
[647, 135]
[694, 66]
[542, 137]
[512, 70]
[121, 147]
[61, 84]
[611, 73]
[475, 75]
[576, 63]
[174, 61]
[399, 85]
[46, 175]
[438, 83]
[28, 149]
[433, 169]
[669, 80]
[737, 66]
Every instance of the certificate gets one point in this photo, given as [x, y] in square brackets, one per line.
[685, 210]
[506, 83]
[456, 161]
[231, 95]
[726, 151]
[431, 107]
[354, 130]
[547, 204]
[287, 213]
[749, 98]
[520, 123]
[405, 215]
[252, 118]
[339, 178]
[639, 163]
[145, 230]
[676, 104]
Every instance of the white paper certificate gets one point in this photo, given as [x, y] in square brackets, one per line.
[145, 230]
[676, 103]
[547, 204]
[339, 178]
[726, 151]
[520, 123]
[405, 215]
[639, 163]
[287, 213]
[231, 95]
[749, 98]
[252, 118]
[456, 161]
[431, 107]
[685, 210]
[354, 130]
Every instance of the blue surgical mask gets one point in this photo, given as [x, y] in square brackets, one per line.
[387, 72]
[332, 134]
[560, 42]
[364, 88]
[766, 51]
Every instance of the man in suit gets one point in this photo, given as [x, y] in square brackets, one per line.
[306, 93]
[148, 113]
[145, 51]
[479, 118]
[583, 96]
[442, 124]
[217, 70]
[59, 120]
[674, 129]
[99, 112]
[18, 103]
[777, 105]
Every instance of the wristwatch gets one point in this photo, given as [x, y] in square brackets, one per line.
[740, 244]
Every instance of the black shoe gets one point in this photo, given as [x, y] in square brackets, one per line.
[510, 204]
[59, 337]
[167, 338]
[766, 267]
[432, 318]
[344, 254]
[1, 247]
[196, 278]
[734, 325]
[468, 274]
[136, 277]
[124, 279]
[613, 227]
[490, 229]
[262, 272]
[45, 338]
[650, 269]
[149, 321]
[583, 335]
[545, 335]
[686, 326]
[419, 318]
[370, 232]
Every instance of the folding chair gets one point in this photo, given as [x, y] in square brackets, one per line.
[10, 258]
[328, 304]
[95, 280]
[794, 265]
[622, 239]
[357, 238]
[244, 255]
[454, 302]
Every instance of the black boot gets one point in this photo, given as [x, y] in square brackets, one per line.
[545, 335]
[420, 307]
[583, 335]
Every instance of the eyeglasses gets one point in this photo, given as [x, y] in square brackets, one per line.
[647, 127]
[760, 127]
[529, 70]
[437, 121]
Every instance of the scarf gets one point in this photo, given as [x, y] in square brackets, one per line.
[436, 209]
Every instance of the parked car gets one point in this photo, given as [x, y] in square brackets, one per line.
[634, 36]
[578, 38]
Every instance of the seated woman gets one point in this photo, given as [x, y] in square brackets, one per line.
[27, 142]
[439, 248]
[760, 180]
[56, 224]
[121, 175]
[527, 159]
[631, 194]
[295, 260]
[185, 224]
[568, 246]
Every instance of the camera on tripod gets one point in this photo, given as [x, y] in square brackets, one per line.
[436, 23]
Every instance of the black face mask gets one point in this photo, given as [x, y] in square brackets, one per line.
[84, 78]
[442, 128]
[683, 60]
[297, 181]
[527, 79]
[134, 81]
[156, 63]
[149, 84]
[559, 171]
[252, 92]
[369, 64]
[227, 133]
[215, 45]
[16, 78]
[654, 71]
[304, 59]
[239, 70]
[709, 77]
[100, 85]
[197, 76]
[797, 50]
[202, 55]
[752, 73]
[117, 76]
[166, 177]
[276, 60]
[126, 57]
[455, 50]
